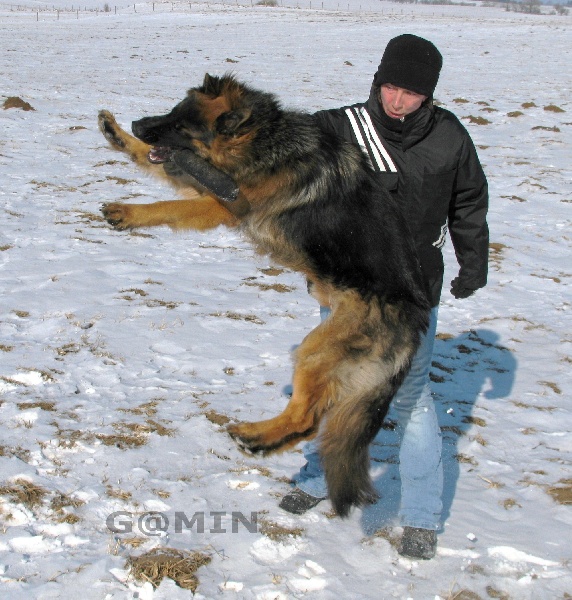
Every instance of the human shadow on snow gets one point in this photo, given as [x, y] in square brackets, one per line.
[465, 368]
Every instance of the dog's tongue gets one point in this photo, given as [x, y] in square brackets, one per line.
[159, 154]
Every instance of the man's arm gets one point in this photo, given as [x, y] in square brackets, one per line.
[468, 223]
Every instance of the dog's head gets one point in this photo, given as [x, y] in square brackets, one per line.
[217, 120]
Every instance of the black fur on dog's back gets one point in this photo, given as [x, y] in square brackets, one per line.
[341, 217]
[350, 233]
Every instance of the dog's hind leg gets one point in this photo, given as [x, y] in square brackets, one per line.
[313, 380]
[347, 371]
[318, 381]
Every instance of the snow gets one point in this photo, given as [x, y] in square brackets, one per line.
[121, 354]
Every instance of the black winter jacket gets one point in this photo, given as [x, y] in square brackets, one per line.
[439, 182]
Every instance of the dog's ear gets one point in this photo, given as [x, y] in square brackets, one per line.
[230, 122]
[211, 84]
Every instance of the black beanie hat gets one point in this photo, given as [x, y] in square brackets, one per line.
[410, 62]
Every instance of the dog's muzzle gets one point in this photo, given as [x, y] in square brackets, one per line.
[159, 154]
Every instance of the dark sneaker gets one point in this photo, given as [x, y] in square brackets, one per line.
[418, 543]
[298, 502]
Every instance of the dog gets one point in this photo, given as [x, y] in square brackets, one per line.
[314, 206]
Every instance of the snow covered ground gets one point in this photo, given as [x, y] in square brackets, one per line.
[122, 355]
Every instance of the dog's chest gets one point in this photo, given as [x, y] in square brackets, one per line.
[270, 239]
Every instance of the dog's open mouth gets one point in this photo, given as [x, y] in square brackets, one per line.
[159, 154]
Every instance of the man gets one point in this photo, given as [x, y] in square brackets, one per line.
[426, 159]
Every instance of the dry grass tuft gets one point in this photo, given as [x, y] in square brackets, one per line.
[255, 470]
[118, 493]
[238, 317]
[178, 565]
[496, 254]
[492, 484]
[272, 271]
[515, 198]
[545, 128]
[553, 386]
[16, 102]
[562, 491]
[494, 593]
[275, 287]
[122, 441]
[161, 493]
[156, 303]
[148, 408]
[466, 459]
[278, 533]
[480, 439]
[17, 451]
[510, 503]
[133, 435]
[60, 505]
[47, 406]
[444, 336]
[24, 492]
[217, 418]
[474, 421]
[554, 108]
[520, 404]
[477, 120]
[32, 496]
[134, 542]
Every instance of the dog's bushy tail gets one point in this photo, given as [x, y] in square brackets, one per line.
[344, 450]
[361, 397]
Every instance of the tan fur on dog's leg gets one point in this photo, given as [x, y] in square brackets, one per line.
[200, 214]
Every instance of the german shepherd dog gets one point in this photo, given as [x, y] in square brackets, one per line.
[314, 207]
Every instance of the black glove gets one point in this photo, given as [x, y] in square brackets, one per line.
[215, 181]
[460, 290]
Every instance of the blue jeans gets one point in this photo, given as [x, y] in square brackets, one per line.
[420, 463]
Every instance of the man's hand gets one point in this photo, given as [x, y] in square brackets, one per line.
[460, 290]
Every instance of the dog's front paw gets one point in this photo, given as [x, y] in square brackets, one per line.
[119, 215]
[246, 442]
[110, 129]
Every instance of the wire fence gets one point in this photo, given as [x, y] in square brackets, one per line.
[381, 7]
[190, 5]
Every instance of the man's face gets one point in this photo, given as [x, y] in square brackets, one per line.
[398, 102]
